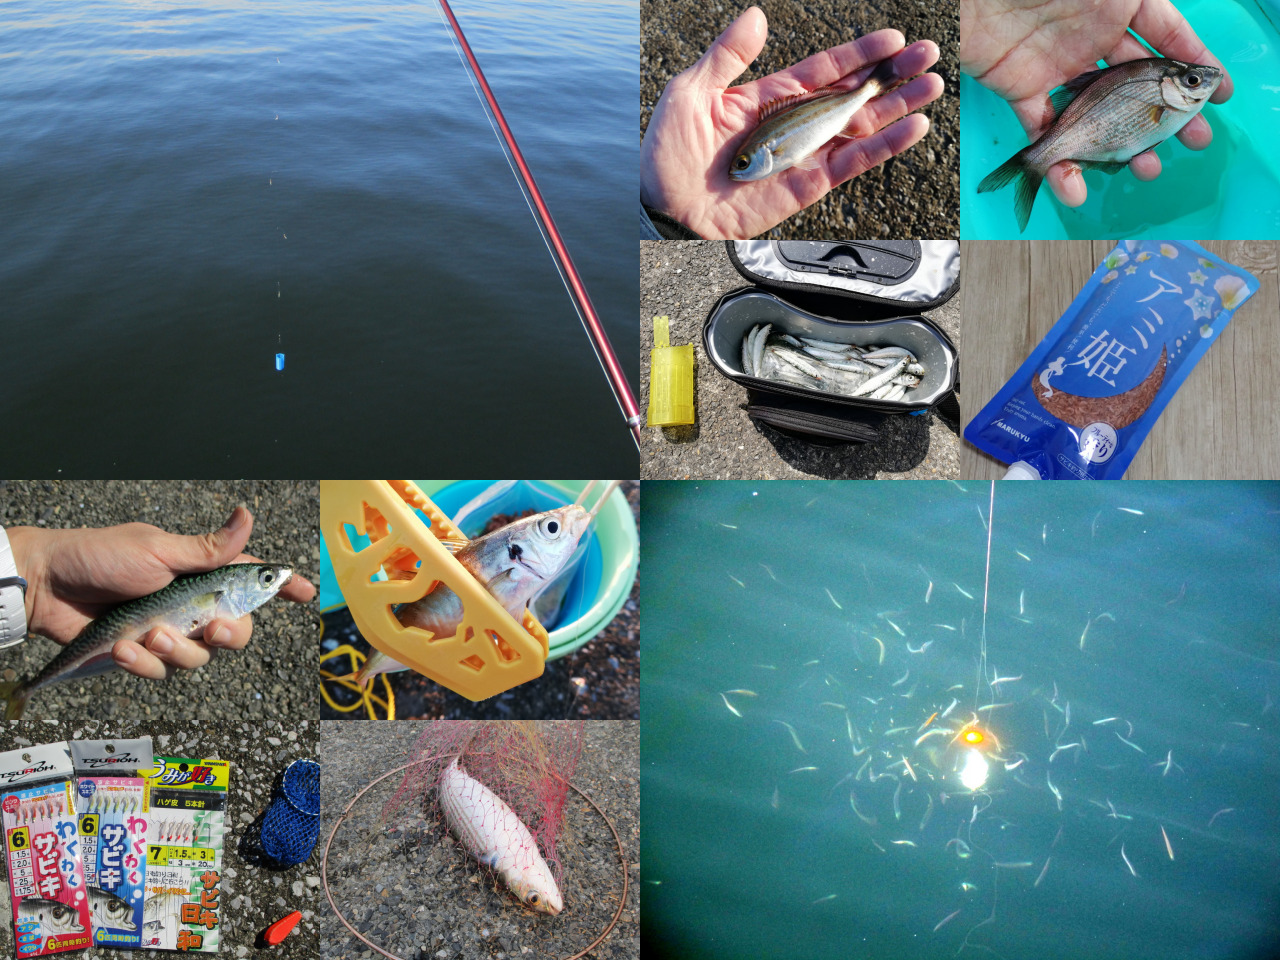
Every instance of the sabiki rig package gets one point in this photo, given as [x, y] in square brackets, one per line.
[184, 855]
[46, 879]
[112, 801]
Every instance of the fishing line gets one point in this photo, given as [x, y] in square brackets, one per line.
[986, 587]
[551, 238]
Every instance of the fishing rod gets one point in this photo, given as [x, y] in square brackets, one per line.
[555, 243]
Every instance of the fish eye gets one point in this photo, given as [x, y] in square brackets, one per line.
[742, 162]
[1193, 79]
[551, 527]
[268, 577]
[534, 899]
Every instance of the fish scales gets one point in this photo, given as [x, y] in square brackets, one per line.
[1112, 115]
[494, 835]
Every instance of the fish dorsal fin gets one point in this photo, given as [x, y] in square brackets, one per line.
[771, 108]
[1071, 89]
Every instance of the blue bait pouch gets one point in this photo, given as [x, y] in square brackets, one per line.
[1081, 404]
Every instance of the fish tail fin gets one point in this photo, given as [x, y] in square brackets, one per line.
[15, 696]
[1027, 180]
[884, 73]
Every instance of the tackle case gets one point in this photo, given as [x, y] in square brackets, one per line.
[863, 292]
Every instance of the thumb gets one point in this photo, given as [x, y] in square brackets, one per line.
[732, 51]
[208, 551]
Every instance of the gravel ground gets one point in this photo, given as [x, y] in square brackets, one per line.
[254, 894]
[609, 664]
[916, 194]
[416, 893]
[260, 682]
[683, 280]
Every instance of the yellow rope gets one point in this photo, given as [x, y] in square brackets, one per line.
[367, 698]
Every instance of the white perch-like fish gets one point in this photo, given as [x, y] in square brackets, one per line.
[494, 835]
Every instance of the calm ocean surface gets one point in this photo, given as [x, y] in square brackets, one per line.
[188, 190]
[747, 853]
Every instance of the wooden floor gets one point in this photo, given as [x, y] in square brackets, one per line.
[1224, 421]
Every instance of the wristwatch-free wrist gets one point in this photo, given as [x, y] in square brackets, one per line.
[13, 595]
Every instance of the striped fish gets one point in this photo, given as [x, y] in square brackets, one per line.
[494, 835]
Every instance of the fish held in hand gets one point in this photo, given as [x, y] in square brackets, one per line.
[494, 835]
[185, 606]
[792, 129]
[1105, 118]
[513, 563]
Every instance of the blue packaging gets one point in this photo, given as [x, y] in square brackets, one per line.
[1081, 404]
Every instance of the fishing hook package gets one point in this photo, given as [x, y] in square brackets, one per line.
[112, 802]
[1081, 404]
[184, 871]
[46, 879]
[830, 338]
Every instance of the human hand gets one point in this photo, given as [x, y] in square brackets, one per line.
[698, 126]
[1022, 49]
[74, 576]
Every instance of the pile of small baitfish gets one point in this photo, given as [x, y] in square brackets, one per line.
[878, 373]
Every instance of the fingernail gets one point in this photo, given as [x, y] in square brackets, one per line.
[220, 638]
[163, 644]
[234, 522]
[126, 655]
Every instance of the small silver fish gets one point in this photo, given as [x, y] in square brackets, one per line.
[495, 836]
[54, 918]
[1105, 119]
[513, 563]
[110, 911]
[186, 606]
[792, 129]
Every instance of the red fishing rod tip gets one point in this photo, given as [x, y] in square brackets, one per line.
[275, 934]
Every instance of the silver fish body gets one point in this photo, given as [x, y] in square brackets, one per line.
[54, 918]
[494, 835]
[186, 606]
[1105, 119]
[793, 129]
[513, 563]
[110, 911]
[842, 369]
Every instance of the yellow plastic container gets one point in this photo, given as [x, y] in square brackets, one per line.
[670, 379]
[488, 654]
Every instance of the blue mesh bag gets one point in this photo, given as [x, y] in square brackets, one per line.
[292, 823]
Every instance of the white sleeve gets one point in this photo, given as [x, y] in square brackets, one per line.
[13, 591]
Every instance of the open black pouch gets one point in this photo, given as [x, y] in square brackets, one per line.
[863, 292]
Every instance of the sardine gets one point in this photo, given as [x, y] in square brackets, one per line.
[54, 918]
[110, 911]
[811, 367]
[792, 129]
[494, 835]
[512, 563]
[186, 606]
[1105, 118]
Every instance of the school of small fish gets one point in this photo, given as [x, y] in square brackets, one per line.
[846, 369]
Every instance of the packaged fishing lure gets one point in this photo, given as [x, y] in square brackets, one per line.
[1080, 406]
[46, 880]
[113, 835]
[183, 909]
